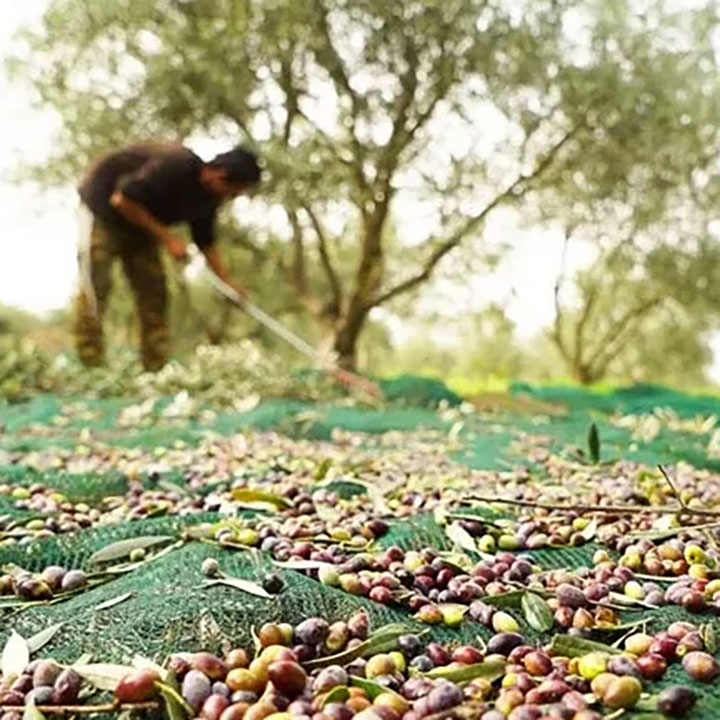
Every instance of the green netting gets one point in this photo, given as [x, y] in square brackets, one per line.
[168, 608]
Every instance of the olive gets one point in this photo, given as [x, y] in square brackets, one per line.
[444, 696]
[196, 688]
[329, 678]
[137, 686]
[66, 687]
[73, 580]
[312, 631]
[504, 643]
[676, 701]
[209, 665]
[700, 666]
[288, 677]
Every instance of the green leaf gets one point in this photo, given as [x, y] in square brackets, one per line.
[103, 676]
[248, 495]
[382, 640]
[537, 612]
[15, 655]
[707, 632]
[323, 468]
[594, 443]
[371, 688]
[489, 670]
[590, 531]
[339, 693]
[246, 586]
[176, 707]
[512, 599]
[123, 548]
[569, 646]
[41, 639]
[31, 712]
[114, 601]
[460, 537]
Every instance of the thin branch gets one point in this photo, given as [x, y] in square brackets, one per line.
[559, 341]
[605, 509]
[330, 272]
[517, 188]
[298, 272]
[670, 482]
[86, 709]
[610, 344]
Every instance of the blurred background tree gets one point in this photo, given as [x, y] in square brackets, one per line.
[590, 115]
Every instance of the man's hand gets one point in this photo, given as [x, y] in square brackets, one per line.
[176, 246]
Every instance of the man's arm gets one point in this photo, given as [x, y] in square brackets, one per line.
[141, 217]
[215, 263]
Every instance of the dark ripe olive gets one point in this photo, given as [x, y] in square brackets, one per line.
[381, 595]
[22, 684]
[676, 701]
[444, 696]
[467, 655]
[504, 643]
[691, 641]
[438, 654]
[52, 576]
[517, 654]
[312, 631]
[410, 645]
[329, 678]
[652, 666]
[12, 698]
[664, 646]
[66, 687]
[679, 629]
[73, 580]
[137, 686]
[537, 663]
[196, 689]
[34, 589]
[273, 583]
[623, 665]
[178, 665]
[288, 677]
[415, 688]
[571, 596]
[337, 711]
[359, 624]
[422, 663]
[41, 695]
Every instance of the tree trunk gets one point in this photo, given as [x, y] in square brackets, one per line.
[346, 339]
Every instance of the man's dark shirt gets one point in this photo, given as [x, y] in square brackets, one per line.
[164, 179]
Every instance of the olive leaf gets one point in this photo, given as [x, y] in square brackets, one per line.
[248, 495]
[489, 670]
[460, 537]
[15, 655]
[247, 586]
[594, 443]
[372, 689]
[114, 601]
[31, 712]
[512, 599]
[537, 612]
[123, 548]
[103, 676]
[707, 632]
[570, 646]
[339, 694]
[382, 640]
[176, 707]
[590, 531]
[41, 639]
[323, 468]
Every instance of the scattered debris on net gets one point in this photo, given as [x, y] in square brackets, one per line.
[495, 613]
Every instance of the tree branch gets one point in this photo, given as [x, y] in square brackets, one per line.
[330, 272]
[298, 271]
[612, 342]
[559, 341]
[517, 188]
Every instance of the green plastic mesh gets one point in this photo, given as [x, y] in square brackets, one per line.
[168, 608]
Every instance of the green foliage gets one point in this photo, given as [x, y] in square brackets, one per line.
[362, 108]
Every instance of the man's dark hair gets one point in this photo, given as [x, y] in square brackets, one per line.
[240, 165]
